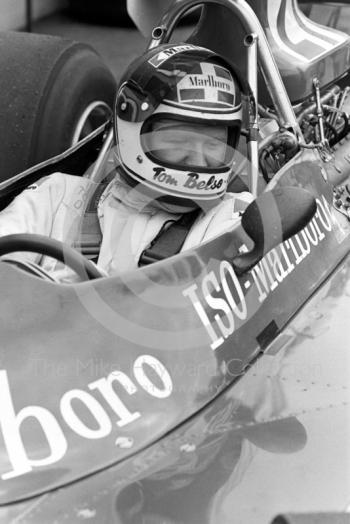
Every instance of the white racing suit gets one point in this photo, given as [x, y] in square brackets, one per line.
[55, 206]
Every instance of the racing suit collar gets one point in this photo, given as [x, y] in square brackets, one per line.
[142, 198]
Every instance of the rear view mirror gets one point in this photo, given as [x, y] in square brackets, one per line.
[272, 218]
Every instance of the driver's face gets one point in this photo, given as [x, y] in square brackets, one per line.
[188, 144]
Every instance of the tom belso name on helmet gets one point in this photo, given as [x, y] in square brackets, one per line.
[194, 181]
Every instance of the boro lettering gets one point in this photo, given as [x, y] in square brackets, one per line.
[55, 443]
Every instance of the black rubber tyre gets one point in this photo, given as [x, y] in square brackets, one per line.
[46, 85]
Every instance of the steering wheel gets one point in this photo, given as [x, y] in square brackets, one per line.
[51, 248]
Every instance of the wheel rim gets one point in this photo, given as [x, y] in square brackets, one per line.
[95, 114]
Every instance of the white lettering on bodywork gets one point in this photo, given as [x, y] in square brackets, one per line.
[159, 386]
[267, 275]
[10, 424]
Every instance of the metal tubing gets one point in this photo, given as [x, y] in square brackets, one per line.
[319, 112]
[268, 64]
[95, 175]
[311, 107]
[251, 42]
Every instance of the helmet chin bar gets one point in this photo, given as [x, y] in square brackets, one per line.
[163, 179]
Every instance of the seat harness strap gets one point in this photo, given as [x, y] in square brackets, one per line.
[169, 240]
[89, 243]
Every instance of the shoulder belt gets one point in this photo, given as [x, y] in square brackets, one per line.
[169, 240]
[90, 239]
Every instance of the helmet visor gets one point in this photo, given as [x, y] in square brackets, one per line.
[202, 147]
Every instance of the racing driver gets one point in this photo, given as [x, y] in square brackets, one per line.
[178, 117]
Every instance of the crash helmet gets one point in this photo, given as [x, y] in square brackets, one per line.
[178, 98]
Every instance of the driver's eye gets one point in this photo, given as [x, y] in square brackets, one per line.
[187, 144]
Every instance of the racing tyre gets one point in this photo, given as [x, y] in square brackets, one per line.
[53, 93]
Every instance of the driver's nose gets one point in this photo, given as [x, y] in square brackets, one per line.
[196, 156]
